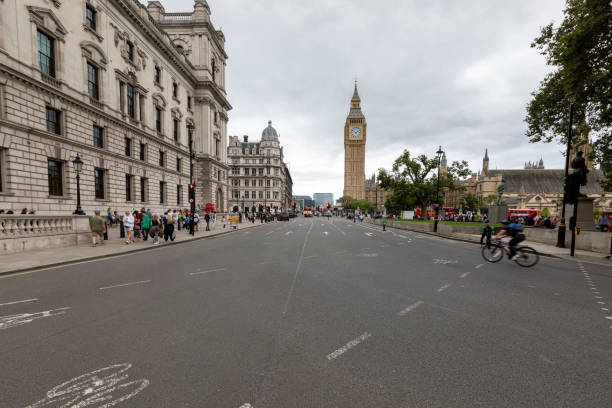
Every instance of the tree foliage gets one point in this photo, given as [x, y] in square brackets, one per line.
[351, 203]
[470, 202]
[414, 181]
[580, 49]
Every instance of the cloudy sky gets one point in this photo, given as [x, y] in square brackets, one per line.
[450, 73]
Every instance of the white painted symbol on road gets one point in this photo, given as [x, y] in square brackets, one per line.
[463, 275]
[410, 308]
[368, 255]
[24, 318]
[402, 236]
[348, 346]
[325, 233]
[478, 266]
[246, 406]
[444, 287]
[444, 261]
[268, 233]
[246, 232]
[19, 301]
[107, 386]
[369, 234]
[208, 271]
[125, 284]
[288, 232]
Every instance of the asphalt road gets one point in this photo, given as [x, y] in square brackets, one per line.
[308, 313]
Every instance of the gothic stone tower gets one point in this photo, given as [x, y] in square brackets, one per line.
[354, 150]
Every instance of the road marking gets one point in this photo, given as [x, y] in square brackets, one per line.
[325, 232]
[410, 308]
[547, 360]
[125, 284]
[322, 225]
[19, 301]
[208, 271]
[369, 234]
[368, 255]
[288, 232]
[108, 385]
[445, 261]
[402, 236]
[463, 275]
[348, 346]
[478, 266]
[268, 233]
[246, 232]
[440, 289]
[609, 317]
[24, 318]
[246, 406]
[605, 309]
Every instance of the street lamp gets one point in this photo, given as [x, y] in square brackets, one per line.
[439, 153]
[190, 128]
[561, 232]
[78, 166]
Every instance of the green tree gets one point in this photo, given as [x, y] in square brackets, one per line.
[580, 50]
[469, 202]
[414, 181]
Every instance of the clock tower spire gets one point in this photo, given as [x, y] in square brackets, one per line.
[354, 149]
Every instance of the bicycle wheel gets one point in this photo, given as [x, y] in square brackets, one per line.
[492, 253]
[527, 256]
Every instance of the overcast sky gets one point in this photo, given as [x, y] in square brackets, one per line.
[450, 73]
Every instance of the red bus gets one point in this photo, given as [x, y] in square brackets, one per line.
[515, 212]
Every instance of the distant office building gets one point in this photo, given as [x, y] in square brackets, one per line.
[304, 201]
[321, 199]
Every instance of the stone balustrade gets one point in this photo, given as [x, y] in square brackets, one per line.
[29, 232]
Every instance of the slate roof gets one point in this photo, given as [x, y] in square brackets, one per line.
[544, 181]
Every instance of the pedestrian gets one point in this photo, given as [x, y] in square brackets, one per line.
[486, 233]
[180, 219]
[207, 219]
[175, 216]
[97, 225]
[223, 221]
[155, 224]
[121, 227]
[128, 226]
[137, 223]
[214, 219]
[110, 217]
[169, 228]
[196, 220]
[145, 225]
[603, 222]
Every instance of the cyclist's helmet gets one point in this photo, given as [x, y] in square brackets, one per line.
[505, 222]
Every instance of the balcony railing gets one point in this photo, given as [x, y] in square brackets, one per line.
[14, 226]
[178, 17]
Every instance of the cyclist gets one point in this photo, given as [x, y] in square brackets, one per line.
[512, 230]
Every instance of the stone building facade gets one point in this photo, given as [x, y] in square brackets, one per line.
[375, 194]
[114, 82]
[258, 175]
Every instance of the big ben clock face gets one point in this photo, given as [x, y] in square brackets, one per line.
[355, 133]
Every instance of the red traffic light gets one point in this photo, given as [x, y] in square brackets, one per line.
[191, 186]
[191, 200]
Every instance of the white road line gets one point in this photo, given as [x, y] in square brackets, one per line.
[19, 301]
[246, 406]
[125, 284]
[208, 271]
[348, 346]
[478, 266]
[369, 234]
[463, 275]
[268, 233]
[7, 322]
[288, 232]
[410, 308]
[325, 232]
[609, 317]
[402, 236]
[444, 287]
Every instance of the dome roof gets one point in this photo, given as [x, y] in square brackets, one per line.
[269, 132]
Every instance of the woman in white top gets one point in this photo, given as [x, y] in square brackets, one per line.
[128, 225]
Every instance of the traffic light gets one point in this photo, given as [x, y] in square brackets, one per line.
[192, 193]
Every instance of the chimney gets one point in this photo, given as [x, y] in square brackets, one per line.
[246, 139]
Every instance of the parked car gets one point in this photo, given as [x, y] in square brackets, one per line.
[292, 214]
[283, 216]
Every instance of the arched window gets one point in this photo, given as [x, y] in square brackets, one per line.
[180, 49]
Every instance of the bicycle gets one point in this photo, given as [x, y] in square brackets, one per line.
[494, 252]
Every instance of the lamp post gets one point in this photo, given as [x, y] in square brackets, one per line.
[78, 165]
[439, 153]
[190, 128]
[561, 232]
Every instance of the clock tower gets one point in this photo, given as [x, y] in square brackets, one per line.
[354, 150]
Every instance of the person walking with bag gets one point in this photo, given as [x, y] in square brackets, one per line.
[155, 224]
[207, 219]
[97, 225]
[128, 225]
[169, 228]
[145, 225]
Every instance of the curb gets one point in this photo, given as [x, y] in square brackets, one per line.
[131, 251]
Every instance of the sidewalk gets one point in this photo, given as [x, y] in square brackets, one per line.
[23, 261]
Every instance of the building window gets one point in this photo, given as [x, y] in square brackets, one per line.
[175, 89]
[130, 101]
[143, 189]
[235, 170]
[129, 49]
[246, 183]
[98, 137]
[179, 164]
[156, 74]
[162, 192]
[53, 121]
[175, 130]
[261, 172]
[276, 195]
[253, 194]
[246, 171]
[90, 17]
[143, 152]
[99, 184]
[179, 194]
[189, 102]
[158, 119]
[236, 194]
[127, 142]
[92, 81]
[217, 147]
[141, 105]
[246, 194]
[267, 195]
[128, 187]
[261, 194]
[180, 49]
[54, 171]
[46, 56]
[161, 158]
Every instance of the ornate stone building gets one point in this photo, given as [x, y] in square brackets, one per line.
[259, 176]
[376, 195]
[115, 82]
[354, 150]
